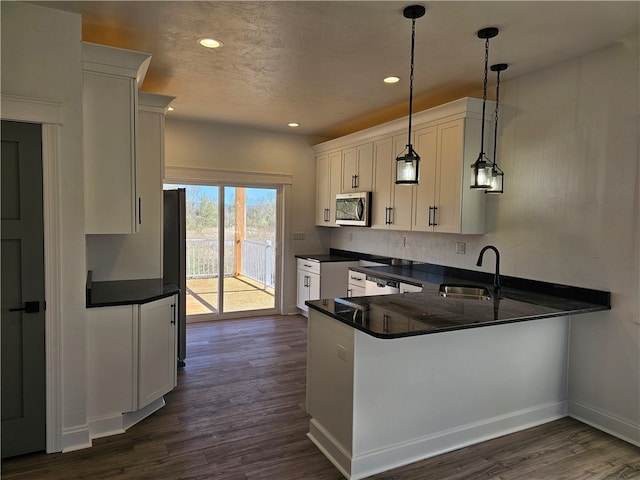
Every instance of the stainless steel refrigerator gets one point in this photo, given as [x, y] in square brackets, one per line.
[174, 259]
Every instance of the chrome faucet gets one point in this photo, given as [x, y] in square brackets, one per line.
[496, 278]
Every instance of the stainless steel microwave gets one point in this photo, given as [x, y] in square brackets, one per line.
[353, 209]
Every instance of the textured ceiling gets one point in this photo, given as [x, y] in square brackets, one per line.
[321, 63]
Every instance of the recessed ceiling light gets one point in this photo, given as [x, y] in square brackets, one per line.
[391, 79]
[210, 43]
[293, 124]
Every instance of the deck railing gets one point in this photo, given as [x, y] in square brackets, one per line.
[258, 260]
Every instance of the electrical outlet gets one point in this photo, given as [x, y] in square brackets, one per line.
[403, 241]
[298, 235]
[343, 353]
[461, 248]
[350, 236]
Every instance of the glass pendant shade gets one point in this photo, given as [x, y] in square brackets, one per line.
[497, 181]
[407, 168]
[481, 173]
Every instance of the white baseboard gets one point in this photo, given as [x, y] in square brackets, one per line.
[331, 449]
[612, 424]
[120, 422]
[75, 438]
[416, 449]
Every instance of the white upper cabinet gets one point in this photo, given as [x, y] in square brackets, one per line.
[111, 79]
[357, 168]
[447, 139]
[328, 179]
[443, 201]
[391, 203]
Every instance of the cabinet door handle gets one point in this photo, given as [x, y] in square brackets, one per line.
[432, 217]
[139, 210]
[354, 181]
[435, 216]
[326, 214]
[389, 217]
[173, 314]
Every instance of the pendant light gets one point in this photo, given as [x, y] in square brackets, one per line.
[497, 175]
[407, 172]
[482, 168]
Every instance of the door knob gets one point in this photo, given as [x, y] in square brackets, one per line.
[29, 307]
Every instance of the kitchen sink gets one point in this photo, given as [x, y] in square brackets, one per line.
[476, 292]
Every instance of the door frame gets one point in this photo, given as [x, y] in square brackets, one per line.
[49, 115]
[216, 177]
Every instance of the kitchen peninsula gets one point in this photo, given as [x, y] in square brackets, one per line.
[394, 379]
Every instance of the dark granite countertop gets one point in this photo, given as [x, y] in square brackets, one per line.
[127, 292]
[326, 257]
[407, 314]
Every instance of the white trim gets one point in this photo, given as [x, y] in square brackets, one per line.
[34, 110]
[53, 281]
[403, 453]
[607, 422]
[466, 107]
[214, 176]
[49, 114]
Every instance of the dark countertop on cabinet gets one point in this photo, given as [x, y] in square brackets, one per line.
[408, 314]
[127, 292]
[326, 257]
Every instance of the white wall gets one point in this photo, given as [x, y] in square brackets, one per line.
[229, 149]
[41, 58]
[569, 214]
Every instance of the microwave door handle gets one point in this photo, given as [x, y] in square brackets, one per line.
[360, 210]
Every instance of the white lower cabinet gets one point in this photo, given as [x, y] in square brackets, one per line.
[308, 282]
[318, 280]
[409, 287]
[132, 363]
[356, 282]
[156, 350]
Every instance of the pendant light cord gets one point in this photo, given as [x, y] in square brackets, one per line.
[413, 42]
[484, 95]
[495, 133]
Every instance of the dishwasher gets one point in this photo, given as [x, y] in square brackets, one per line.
[380, 286]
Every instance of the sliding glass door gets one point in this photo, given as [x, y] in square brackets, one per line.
[231, 238]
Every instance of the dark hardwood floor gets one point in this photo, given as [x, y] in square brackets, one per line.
[238, 414]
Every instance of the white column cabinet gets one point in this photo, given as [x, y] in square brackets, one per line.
[328, 184]
[357, 168]
[111, 78]
[139, 256]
